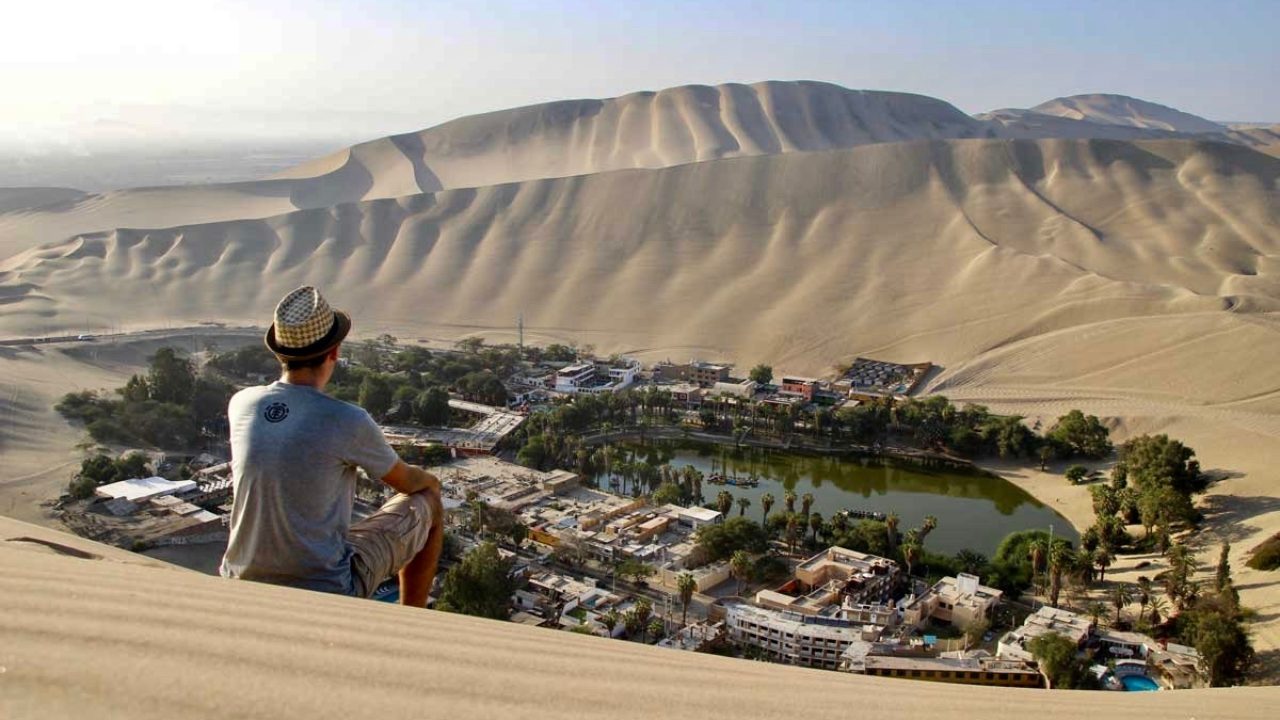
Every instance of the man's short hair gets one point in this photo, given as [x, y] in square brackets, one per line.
[314, 362]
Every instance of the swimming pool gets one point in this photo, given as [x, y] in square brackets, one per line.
[1139, 683]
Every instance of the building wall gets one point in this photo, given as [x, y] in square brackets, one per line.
[788, 642]
[964, 677]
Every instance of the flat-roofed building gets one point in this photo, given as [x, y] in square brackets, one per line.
[862, 578]
[696, 517]
[137, 490]
[686, 394]
[795, 639]
[968, 671]
[957, 600]
[707, 374]
[796, 385]
[745, 389]
[1045, 621]
[573, 378]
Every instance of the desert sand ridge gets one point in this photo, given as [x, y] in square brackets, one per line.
[88, 633]
[1073, 229]
[1124, 110]
[653, 129]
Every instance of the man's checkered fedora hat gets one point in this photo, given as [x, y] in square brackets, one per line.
[305, 326]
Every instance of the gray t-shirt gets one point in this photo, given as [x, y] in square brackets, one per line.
[294, 454]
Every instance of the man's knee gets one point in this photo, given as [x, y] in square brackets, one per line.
[433, 505]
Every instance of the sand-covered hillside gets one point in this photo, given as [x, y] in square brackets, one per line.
[940, 249]
[642, 130]
[1124, 110]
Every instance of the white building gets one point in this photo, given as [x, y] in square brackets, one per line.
[573, 378]
[795, 639]
[696, 517]
[1045, 621]
[745, 389]
[956, 600]
[599, 377]
[141, 489]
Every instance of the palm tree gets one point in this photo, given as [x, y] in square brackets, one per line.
[1144, 594]
[815, 523]
[743, 504]
[740, 563]
[766, 501]
[610, 620]
[1158, 608]
[806, 503]
[789, 499]
[793, 531]
[655, 629]
[839, 523]
[643, 610]
[724, 501]
[910, 553]
[1182, 566]
[1036, 553]
[1121, 595]
[686, 585]
[930, 522]
[891, 527]
[970, 562]
[1095, 612]
[1102, 558]
[1059, 557]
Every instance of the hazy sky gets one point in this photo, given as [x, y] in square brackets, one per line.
[375, 66]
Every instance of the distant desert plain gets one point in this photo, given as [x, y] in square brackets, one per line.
[1095, 252]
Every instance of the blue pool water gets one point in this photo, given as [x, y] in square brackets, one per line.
[1139, 683]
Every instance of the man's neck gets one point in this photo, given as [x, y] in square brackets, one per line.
[306, 379]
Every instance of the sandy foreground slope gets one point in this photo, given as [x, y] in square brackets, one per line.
[91, 631]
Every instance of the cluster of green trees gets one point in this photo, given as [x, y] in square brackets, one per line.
[98, 470]
[1153, 484]
[412, 383]
[1209, 617]
[394, 382]
[171, 406]
[480, 585]
[1061, 663]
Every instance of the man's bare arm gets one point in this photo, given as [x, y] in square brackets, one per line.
[410, 479]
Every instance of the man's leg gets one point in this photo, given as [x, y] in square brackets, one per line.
[419, 574]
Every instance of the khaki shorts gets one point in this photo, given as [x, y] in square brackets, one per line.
[387, 540]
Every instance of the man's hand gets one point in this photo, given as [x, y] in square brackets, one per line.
[410, 479]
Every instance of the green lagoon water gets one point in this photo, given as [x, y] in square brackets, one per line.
[974, 510]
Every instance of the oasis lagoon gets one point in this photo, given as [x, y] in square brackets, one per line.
[975, 510]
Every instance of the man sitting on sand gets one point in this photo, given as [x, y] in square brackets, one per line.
[294, 455]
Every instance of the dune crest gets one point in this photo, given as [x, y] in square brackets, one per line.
[1027, 236]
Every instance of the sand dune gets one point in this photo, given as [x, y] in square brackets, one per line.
[651, 129]
[1124, 110]
[26, 198]
[1027, 236]
[1018, 124]
[82, 636]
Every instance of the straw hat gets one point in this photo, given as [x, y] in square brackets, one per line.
[305, 326]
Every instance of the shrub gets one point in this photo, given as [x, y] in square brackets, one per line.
[1266, 556]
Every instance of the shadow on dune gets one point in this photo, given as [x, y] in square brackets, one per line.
[1231, 515]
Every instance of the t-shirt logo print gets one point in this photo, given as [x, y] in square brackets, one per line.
[276, 412]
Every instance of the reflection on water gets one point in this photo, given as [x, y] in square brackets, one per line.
[974, 510]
